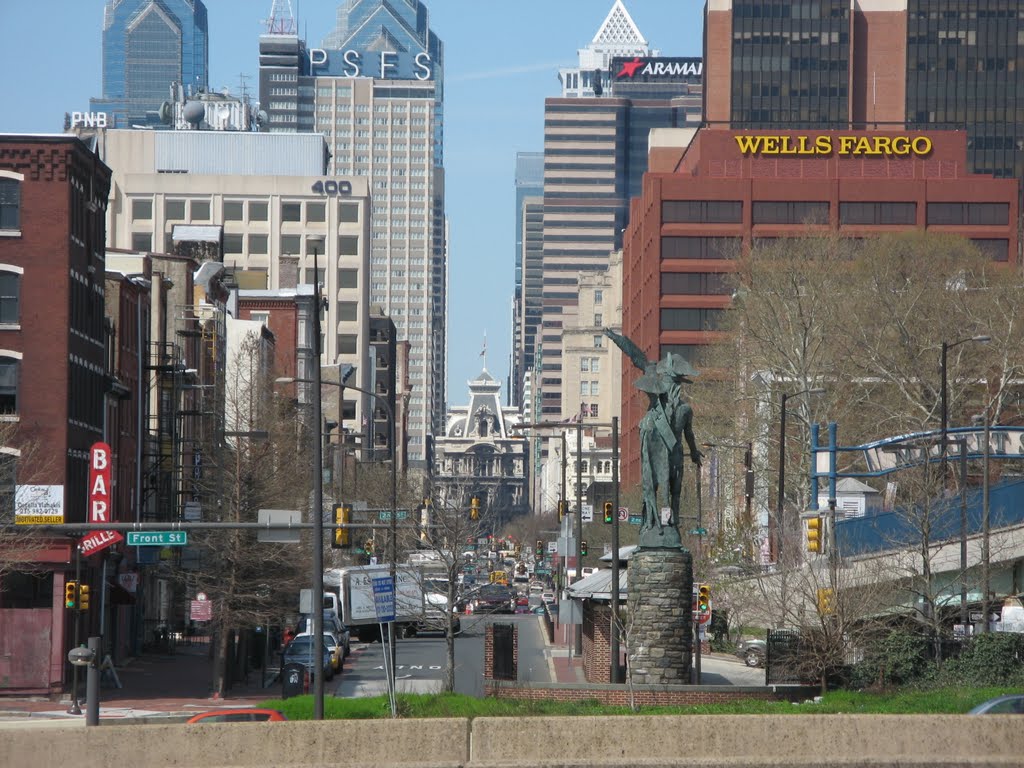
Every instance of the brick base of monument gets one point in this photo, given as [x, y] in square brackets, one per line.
[660, 622]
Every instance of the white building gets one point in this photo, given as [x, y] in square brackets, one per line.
[617, 36]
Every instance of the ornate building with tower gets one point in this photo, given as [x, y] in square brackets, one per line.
[482, 456]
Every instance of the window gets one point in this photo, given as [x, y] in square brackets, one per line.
[598, 320]
[348, 278]
[877, 213]
[200, 210]
[347, 344]
[142, 241]
[789, 212]
[997, 250]
[584, 388]
[258, 244]
[10, 204]
[594, 410]
[233, 210]
[983, 214]
[702, 212]
[690, 319]
[9, 385]
[316, 211]
[347, 310]
[598, 342]
[585, 364]
[598, 297]
[291, 244]
[595, 365]
[348, 213]
[291, 211]
[142, 210]
[233, 243]
[693, 284]
[258, 211]
[10, 291]
[348, 245]
[174, 210]
[700, 247]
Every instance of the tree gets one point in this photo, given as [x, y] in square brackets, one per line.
[22, 463]
[250, 584]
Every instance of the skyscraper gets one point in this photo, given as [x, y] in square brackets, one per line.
[147, 46]
[529, 248]
[375, 91]
[595, 155]
[948, 64]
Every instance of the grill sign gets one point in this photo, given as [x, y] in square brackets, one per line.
[843, 146]
[99, 500]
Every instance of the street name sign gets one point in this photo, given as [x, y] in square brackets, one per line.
[157, 538]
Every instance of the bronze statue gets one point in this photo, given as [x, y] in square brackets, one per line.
[668, 421]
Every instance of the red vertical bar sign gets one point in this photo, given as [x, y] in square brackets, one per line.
[99, 500]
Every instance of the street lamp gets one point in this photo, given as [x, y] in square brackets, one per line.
[780, 518]
[943, 449]
[318, 491]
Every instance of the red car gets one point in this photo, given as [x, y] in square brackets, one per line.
[243, 715]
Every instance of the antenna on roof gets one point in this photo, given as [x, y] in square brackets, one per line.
[281, 20]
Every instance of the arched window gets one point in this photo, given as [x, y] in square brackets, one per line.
[9, 367]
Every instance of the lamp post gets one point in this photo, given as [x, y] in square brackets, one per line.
[943, 451]
[780, 517]
[318, 491]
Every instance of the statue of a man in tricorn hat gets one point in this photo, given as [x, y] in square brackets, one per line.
[668, 421]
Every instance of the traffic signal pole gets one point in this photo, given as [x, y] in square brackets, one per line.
[75, 709]
[615, 552]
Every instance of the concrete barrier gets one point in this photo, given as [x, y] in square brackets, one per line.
[749, 740]
[436, 742]
[706, 740]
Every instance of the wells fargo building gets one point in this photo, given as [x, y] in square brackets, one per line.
[702, 204]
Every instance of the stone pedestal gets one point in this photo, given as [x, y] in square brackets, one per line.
[660, 616]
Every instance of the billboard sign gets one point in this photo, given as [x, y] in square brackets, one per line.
[649, 69]
[39, 504]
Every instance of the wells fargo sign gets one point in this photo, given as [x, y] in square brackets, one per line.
[842, 146]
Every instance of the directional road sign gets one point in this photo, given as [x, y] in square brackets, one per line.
[157, 538]
[384, 598]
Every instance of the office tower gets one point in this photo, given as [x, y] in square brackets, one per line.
[617, 36]
[595, 155]
[919, 64]
[149, 45]
[529, 222]
[375, 91]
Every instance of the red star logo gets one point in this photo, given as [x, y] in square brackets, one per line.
[630, 67]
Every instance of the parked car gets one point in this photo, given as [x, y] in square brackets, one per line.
[752, 652]
[495, 598]
[300, 651]
[332, 644]
[242, 715]
[1010, 704]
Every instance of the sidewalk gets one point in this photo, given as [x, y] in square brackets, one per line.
[152, 684]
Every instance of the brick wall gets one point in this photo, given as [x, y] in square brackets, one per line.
[644, 695]
[489, 653]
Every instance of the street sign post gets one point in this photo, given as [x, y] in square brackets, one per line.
[623, 514]
[157, 538]
[384, 598]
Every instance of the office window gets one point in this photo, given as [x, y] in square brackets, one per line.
[291, 211]
[702, 212]
[877, 213]
[983, 214]
[200, 210]
[9, 368]
[316, 211]
[598, 297]
[142, 210]
[348, 310]
[10, 204]
[595, 388]
[348, 245]
[233, 243]
[690, 319]
[598, 320]
[790, 212]
[10, 292]
[584, 388]
[142, 241]
[693, 284]
[233, 210]
[347, 344]
[259, 211]
[585, 364]
[700, 247]
[598, 342]
[291, 244]
[348, 278]
[595, 365]
[174, 210]
[997, 250]
[258, 245]
[348, 213]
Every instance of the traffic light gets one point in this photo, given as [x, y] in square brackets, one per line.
[826, 601]
[562, 509]
[70, 594]
[368, 547]
[608, 513]
[583, 549]
[83, 597]
[342, 516]
[539, 551]
[814, 539]
[703, 598]
[474, 508]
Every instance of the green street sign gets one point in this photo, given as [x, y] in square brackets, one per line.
[384, 515]
[157, 538]
[635, 520]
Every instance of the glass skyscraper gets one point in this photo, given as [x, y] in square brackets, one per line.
[147, 46]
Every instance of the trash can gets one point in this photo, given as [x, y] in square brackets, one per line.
[294, 680]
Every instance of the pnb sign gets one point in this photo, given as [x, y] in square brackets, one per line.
[88, 120]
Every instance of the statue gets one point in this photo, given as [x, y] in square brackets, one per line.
[663, 428]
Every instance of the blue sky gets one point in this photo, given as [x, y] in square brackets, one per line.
[501, 62]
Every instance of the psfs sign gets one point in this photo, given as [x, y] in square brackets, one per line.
[383, 65]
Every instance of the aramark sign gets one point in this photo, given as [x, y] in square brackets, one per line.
[645, 69]
[383, 65]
